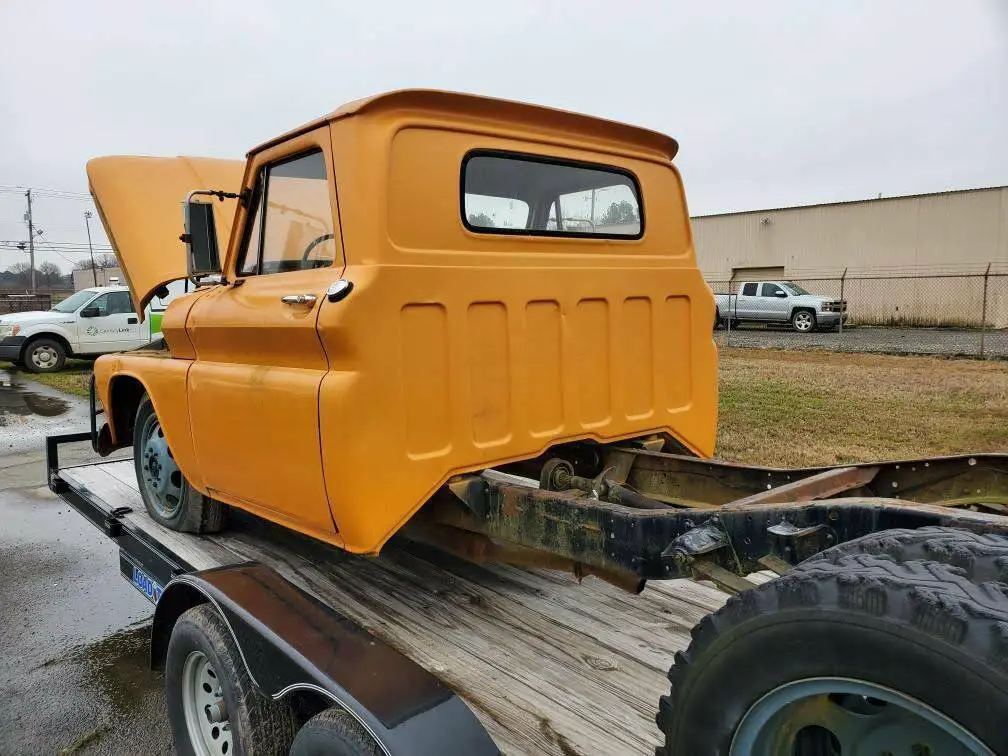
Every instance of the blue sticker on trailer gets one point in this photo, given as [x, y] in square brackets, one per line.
[146, 584]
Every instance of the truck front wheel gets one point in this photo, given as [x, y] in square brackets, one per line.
[857, 653]
[214, 707]
[44, 355]
[803, 321]
[168, 496]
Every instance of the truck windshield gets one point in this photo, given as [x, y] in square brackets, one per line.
[74, 301]
[794, 288]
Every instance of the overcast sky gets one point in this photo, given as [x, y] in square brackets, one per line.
[779, 102]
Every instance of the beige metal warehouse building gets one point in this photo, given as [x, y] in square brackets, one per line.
[899, 253]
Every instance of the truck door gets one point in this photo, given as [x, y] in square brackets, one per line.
[773, 302]
[745, 302]
[108, 324]
[253, 389]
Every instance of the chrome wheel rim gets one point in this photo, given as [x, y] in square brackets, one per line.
[831, 716]
[203, 704]
[803, 321]
[162, 479]
[44, 357]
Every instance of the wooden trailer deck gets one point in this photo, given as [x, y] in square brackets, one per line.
[549, 666]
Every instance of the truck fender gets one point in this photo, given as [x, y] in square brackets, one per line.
[47, 332]
[290, 643]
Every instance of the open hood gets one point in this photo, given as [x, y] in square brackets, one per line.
[140, 201]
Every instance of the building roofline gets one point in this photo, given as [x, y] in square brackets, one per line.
[850, 202]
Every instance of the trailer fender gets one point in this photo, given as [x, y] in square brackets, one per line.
[290, 643]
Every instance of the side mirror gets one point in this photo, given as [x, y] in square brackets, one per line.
[90, 312]
[782, 294]
[200, 238]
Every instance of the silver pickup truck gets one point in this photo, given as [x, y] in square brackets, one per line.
[779, 302]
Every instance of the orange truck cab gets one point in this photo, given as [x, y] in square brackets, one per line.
[416, 286]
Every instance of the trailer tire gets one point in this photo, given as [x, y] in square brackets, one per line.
[169, 498]
[258, 726]
[334, 732]
[911, 639]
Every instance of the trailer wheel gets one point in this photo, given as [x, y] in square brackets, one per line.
[856, 653]
[168, 496]
[214, 708]
[333, 732]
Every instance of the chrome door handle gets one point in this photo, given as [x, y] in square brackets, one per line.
[298, 299]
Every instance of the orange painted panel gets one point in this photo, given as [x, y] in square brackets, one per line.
[676, 326]
[426, 379]
[489, 356]
[635, 366]
[590, 352]
[543, 367]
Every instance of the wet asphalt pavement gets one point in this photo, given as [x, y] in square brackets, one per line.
[74, 673]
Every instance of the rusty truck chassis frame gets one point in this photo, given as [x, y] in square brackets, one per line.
[652, 515]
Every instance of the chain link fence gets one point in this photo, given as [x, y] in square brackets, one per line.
[24, 302]
[949, 315]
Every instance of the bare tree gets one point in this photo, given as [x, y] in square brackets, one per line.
[49, 273]
[618, 213]
[21, 273]
[101, 261]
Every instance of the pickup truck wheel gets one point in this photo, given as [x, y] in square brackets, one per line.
[334, 732]
[44, 355]
[803, 321]
[214, 707]
[844, 655]
[168, 496]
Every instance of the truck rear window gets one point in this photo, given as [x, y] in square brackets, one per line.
[523, 194]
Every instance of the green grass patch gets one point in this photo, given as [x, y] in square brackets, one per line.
[74, 378]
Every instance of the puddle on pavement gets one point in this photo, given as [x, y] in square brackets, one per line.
[16, 401]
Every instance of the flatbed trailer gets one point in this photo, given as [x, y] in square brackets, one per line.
[548, 664]
[425, 653]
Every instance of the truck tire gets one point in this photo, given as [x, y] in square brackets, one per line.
[334, 732]
[848, 647]
[44, 355]
[803, 321]
[213, 705]
[168, 496]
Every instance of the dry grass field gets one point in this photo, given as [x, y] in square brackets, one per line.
[793, 409]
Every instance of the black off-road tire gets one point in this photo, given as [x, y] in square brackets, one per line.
[197, 513]
[920, 612]
[334, 732]
[42, 343]
[260, 726]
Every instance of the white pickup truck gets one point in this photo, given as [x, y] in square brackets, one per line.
[779, 302]
[88, 323]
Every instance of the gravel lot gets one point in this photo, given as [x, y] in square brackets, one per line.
[929, 341]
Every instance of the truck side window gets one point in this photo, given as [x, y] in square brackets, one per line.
[749, 290]
[292, 225]
[771, 289]
[119, 303]
[250, 263]
[102, 304]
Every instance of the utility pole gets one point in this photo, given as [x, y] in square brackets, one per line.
[31, 241]
[87, 224]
